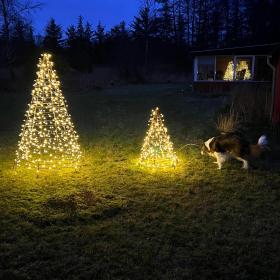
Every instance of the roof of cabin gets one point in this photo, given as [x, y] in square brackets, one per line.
[265, 49]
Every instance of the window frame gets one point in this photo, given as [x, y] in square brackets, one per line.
[196, 67]
[235, 58]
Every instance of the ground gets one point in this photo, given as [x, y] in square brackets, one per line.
[112, 219]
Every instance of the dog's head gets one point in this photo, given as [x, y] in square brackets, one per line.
[207, 147]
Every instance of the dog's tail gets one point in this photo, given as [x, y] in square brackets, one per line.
[257, 150]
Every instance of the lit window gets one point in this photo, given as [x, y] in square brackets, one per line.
[224, 68]
[243, 68]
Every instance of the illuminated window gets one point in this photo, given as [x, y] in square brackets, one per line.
[243, 68]
[224, 68]
[232, 68]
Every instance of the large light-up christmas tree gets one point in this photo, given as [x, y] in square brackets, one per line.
[48, 139]
[157, 150]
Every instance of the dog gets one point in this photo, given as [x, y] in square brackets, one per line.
[233, 145]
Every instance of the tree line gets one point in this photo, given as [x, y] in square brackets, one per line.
[163, 33]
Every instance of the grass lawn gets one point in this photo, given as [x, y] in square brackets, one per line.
[114, 220]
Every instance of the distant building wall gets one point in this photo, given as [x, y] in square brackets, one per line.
[276, 109]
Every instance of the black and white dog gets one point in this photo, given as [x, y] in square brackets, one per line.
[233, 145]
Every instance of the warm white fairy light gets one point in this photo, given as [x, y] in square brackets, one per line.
[48, 139]
[228, 76]
[242, 65]
[157, 150]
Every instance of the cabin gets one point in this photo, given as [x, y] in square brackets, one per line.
[219, 70]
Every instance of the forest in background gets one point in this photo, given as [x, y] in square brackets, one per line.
[160, 37]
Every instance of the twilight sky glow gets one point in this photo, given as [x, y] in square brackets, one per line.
[66, 12]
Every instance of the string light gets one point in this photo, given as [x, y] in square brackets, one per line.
[157, 150]
[48, 139]
[228, 76]
[242, 65]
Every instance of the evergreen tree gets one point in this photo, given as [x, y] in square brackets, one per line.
[88, 33]
[236, 23]
[100, 34]
[202, 24]
[144, 28]
[165, 20]
[71, 37]
[101, 51]
[72, 46]
[10, 12]
[80, 28]
[119, 32]
[215, 21]
[193, 23]
[261, 30]
[87, 43]
[180, 22]
[52, 40]
[119, 46]
[22, 40]
[30, 36]
[18, 34]
[188, 21]
[79, 45]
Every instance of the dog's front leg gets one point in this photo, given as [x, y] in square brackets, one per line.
[220, 163]
[245, 164]
[220, 160]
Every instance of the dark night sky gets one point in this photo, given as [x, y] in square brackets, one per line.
[66, 12]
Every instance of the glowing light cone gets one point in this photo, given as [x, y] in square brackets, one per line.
[48, 138]
[157, 150]
[228, 76]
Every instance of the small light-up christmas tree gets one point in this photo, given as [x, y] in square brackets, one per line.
[157, 150]
[48, 139]
[229, 72]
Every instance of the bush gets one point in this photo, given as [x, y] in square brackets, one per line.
[252, 103]
[228, 122]
[248, 110]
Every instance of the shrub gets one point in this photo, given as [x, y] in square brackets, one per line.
[228, 122]
[252, 103]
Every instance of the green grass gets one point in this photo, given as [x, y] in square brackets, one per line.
[115, 220]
